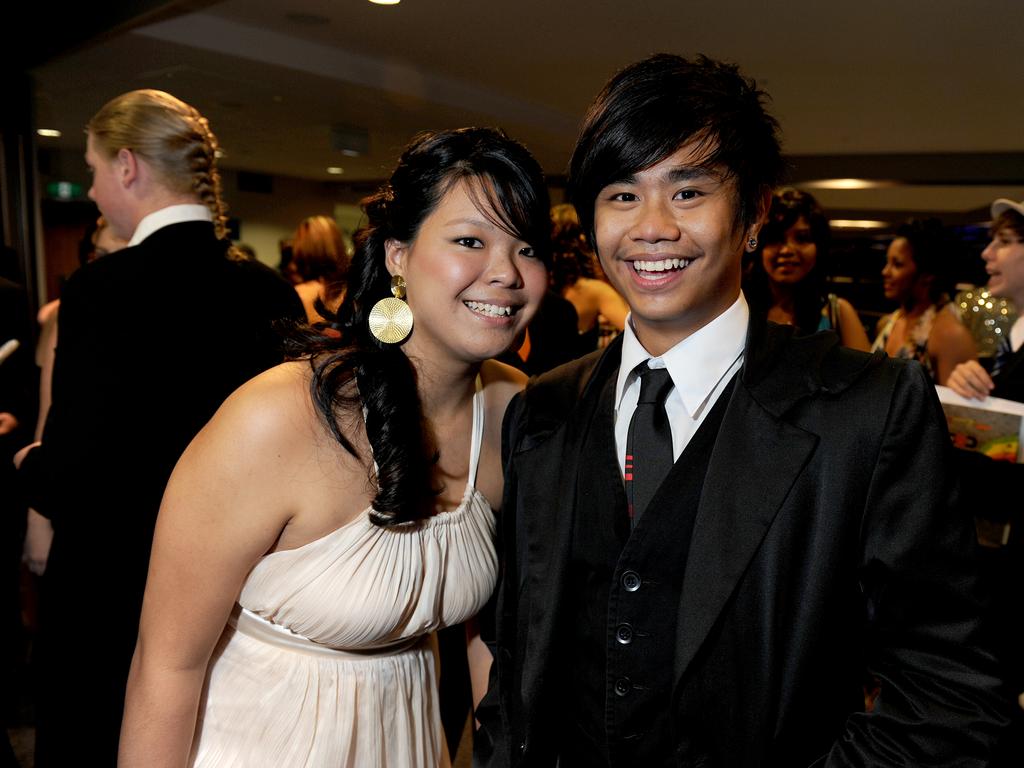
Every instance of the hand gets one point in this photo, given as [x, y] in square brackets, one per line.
[970, 380]
[38, 537]
[8, 422]
[20, 455]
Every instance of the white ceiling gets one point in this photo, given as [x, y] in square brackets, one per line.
[847, 79]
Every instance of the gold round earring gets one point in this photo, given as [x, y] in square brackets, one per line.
[391, 319]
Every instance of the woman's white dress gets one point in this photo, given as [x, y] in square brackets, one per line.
[326, 660]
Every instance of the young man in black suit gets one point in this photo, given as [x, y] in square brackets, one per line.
[723, 606]
[1001, 480]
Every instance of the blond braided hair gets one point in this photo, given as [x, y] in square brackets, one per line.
[172, 136]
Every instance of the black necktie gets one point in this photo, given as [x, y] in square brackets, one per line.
[649, 454]
[1003, 354]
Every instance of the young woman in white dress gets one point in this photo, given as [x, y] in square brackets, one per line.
[338, 509]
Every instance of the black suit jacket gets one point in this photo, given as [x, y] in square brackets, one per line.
[826, 541]
[151, 340]
[1010, 381]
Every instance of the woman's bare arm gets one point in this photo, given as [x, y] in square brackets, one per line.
[949, 344]
[225, 506]
[851, 330]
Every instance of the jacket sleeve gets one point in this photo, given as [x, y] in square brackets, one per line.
[941, 700]
[490, 742]
[38, 476]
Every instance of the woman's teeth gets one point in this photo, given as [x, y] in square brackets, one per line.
[661, 266]
[489, 309]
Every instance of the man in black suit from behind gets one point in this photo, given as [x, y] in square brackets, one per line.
[803, 534]
[152, 339]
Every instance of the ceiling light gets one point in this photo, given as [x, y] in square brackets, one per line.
[845, 184]
[385, 2]
[334, 170]
[50, 133]
[857, 224]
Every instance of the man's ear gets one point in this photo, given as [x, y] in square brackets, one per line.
[395, 253]
[764, 203]
[127, 167]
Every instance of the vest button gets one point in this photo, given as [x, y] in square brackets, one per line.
[624, 634]
[622, 686]
[630, 581]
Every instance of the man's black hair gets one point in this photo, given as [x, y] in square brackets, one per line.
[652, 108]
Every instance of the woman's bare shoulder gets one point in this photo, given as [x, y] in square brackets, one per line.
[501, 382]
[269, 412]
[948, 328]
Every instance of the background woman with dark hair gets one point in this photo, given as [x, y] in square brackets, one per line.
[308, 571]
[926, 326]
[321, 264]
[786, 278]
[574, 276]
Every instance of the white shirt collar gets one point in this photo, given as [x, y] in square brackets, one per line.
[1017, 334]
[697, 363]
[172, 214]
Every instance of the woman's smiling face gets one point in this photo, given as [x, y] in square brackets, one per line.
[900, 272]
[472, 286]
[791, 259]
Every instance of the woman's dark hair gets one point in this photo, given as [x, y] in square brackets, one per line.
[508, 187]
[571, 257]
[933, 251]
[650, 109]
[788, 206]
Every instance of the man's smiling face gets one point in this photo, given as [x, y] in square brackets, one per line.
[670, 241]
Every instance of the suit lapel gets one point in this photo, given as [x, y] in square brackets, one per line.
[756, 459]
[743, 492]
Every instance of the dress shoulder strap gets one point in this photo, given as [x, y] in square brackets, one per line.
[478, 432]
[833, 312]
[886, 331]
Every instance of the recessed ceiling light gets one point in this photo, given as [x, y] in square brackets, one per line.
[385, 2]
[857, 224]
[845, 184]
[50, 133]
[334, 170]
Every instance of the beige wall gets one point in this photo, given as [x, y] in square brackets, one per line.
[266, 219]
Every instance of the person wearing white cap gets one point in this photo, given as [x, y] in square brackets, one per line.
[1004, 262]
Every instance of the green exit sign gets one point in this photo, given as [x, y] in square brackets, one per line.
[64, 190]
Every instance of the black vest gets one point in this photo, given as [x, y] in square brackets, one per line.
[618, 636]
